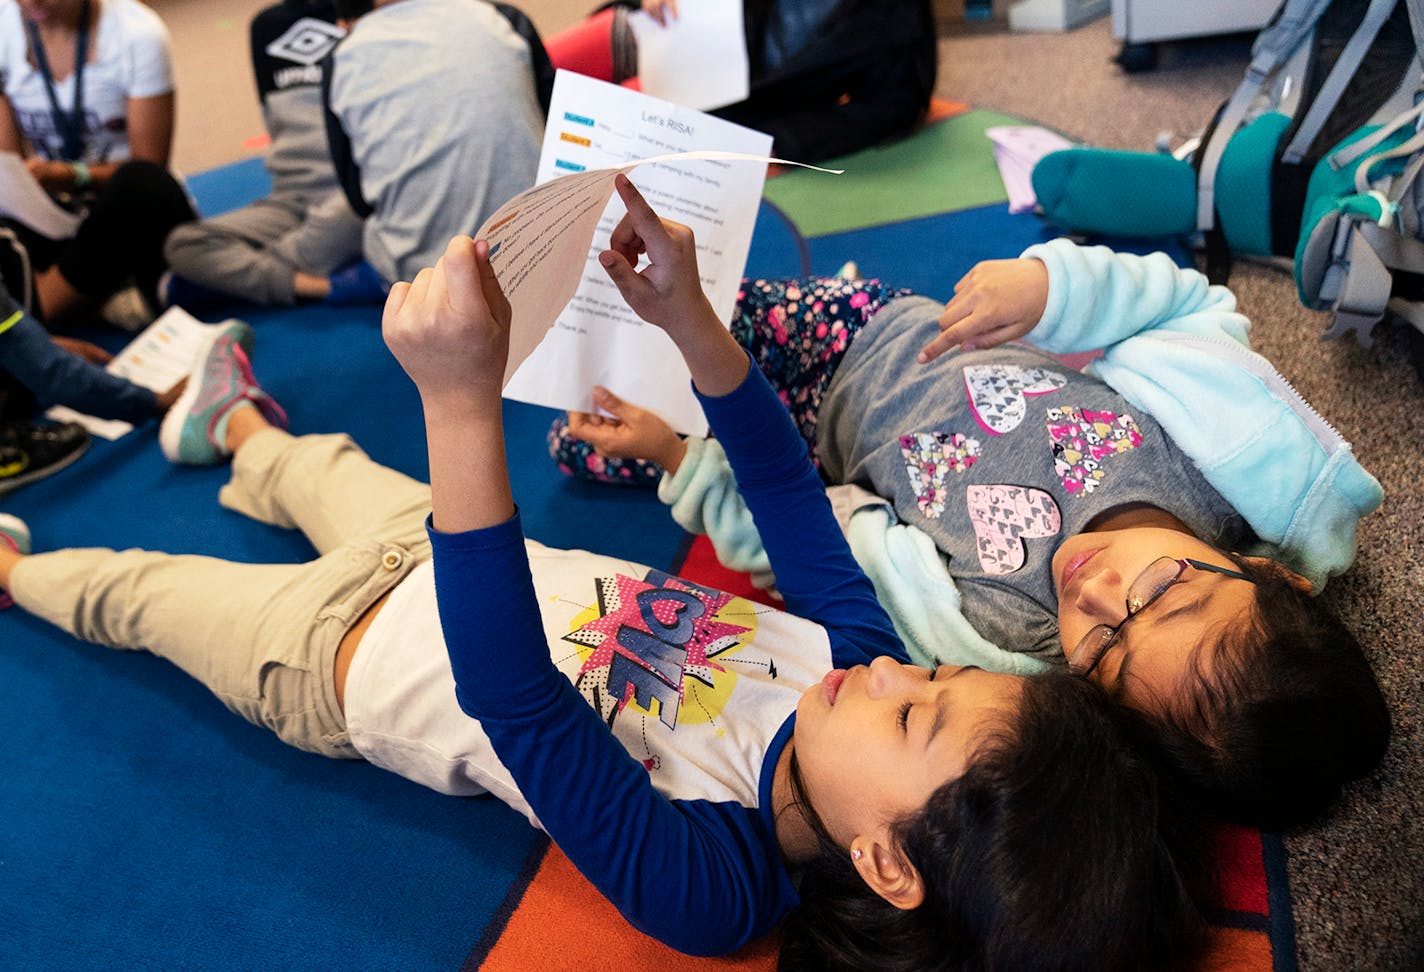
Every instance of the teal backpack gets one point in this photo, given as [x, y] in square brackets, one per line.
[1361, 251]
[1314, 158]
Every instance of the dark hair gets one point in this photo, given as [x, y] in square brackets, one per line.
[351, 9]
[1286, 713]
[1046, 853]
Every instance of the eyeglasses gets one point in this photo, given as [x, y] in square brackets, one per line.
[1151, 584]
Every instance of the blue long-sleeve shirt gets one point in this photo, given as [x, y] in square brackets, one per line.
[704, 875]
[56, 377]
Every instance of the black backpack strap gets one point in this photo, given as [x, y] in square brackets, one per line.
[1214, 248]
[348, 174]
[538, 56]
[17, 279]
[1218, 255]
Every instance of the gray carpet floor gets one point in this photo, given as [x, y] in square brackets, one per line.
[1355, 876]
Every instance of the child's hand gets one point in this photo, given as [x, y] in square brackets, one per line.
[632, 433]
[663, 11]
[51, 175]
[997, 301]
[449, 329]
[90, 352]
[667, 292]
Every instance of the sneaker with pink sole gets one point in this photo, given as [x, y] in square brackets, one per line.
[15, 535]
[194, 431]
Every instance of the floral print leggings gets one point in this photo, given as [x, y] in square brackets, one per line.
[797, 332]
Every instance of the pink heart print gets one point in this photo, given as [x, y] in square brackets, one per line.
[997, 393]
[1003, 516]
[929, 457]
[1082, 440]
[668, 612]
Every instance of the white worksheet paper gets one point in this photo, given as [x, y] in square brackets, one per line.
[22, 198]
[698, 58]
[158, 358]
[596, 130]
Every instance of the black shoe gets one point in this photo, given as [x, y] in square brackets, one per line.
[31, 450]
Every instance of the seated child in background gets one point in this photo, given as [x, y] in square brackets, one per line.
[951, 817]
[290, 245]
[1050, 508]
[434, 119]
[88, 101]
[827, 76]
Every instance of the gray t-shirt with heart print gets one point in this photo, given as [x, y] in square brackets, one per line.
[1000, 455]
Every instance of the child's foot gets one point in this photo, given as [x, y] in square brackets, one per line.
[358, 283]
[14, 535]
[194, 432]
[33, 450]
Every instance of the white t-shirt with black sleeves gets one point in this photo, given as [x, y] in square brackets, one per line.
[130, 57]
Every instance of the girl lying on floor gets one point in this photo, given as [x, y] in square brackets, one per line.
[710, 765]
[1017, 514]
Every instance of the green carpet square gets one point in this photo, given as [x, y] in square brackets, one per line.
[944, 167]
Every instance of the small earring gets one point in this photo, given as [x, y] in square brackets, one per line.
[856, 854]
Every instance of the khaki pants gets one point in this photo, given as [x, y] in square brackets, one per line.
[262, 637]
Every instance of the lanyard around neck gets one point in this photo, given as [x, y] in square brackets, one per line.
[70, 125]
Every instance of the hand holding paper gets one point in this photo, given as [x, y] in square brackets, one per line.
[668, 291]
[693, 53]
[571, 329]
[449, 328]
[631, 432]
[595, 130]
[663, 11]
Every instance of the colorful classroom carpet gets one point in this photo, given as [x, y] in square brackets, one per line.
[148, 829]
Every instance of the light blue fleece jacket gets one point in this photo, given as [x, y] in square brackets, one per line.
[1174, 347]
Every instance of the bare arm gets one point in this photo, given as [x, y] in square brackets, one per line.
[151, 128]
[150, 123]
[10, 140]
[449, 329]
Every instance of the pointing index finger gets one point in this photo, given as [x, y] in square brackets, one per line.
[644, 219]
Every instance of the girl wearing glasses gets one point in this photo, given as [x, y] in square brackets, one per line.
[1018, 514]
